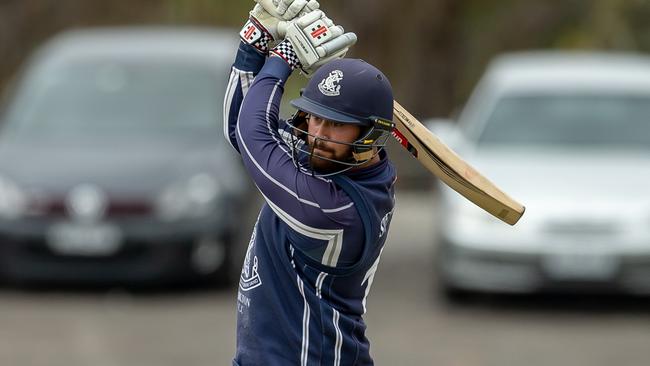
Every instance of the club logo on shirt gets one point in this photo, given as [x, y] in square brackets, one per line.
[250, 278]
[330, 85]
[384, 223]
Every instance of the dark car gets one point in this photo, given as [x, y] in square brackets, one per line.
[113, 165]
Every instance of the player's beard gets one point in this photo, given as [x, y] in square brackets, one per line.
[326, 166]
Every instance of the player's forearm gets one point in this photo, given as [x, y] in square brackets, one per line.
[260, 109]
[308, 200]
[247, 65]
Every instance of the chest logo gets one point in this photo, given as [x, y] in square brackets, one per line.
[330, 86]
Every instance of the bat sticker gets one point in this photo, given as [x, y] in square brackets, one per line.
[405, 142]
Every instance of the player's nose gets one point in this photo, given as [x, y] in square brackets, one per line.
[322, 129]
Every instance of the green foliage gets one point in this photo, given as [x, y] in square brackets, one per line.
[432, 50]
[207, 12]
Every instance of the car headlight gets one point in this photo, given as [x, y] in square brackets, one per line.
[13, 201]
[194, 197]
[471, 227]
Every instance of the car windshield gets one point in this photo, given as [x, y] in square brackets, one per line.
[574, 121]
[126, 99]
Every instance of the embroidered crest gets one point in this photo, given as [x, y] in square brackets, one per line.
[384, 223]
[330, 85]
[250, 278]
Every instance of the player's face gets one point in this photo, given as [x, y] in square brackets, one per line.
[321, 128]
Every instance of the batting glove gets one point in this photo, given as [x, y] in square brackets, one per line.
[316, 40]
[266, 25]
[288, 9]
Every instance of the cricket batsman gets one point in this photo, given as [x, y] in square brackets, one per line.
[327, 182]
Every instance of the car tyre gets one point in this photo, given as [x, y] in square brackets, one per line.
[457, 296]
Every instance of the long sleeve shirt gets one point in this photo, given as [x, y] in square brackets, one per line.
[317, 242]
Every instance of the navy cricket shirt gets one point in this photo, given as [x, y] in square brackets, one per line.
[317, 241]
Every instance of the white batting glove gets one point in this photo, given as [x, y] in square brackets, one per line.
[316, 40]
[288, 9]
[267, 25]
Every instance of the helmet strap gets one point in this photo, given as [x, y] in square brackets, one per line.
[365, 148]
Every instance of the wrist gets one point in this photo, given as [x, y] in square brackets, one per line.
[277, 68]
[249, 58]
[285, 51]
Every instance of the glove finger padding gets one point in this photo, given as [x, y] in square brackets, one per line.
[282, 5]
[329, 22]
[311, 6]
[317, 40]
[334, 49]
[342, 41]
[288, 9]
[294, 9]
[309, 71]
[335, 53]
[280, 10]
[310, 18]
[336, 31]
[272, 7]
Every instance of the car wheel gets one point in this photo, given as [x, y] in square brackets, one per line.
[210, 260]
[455, 295]
[220, 278]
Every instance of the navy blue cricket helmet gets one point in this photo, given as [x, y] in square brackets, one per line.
[350, 91]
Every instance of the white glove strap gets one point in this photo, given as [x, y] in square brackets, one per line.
[255, 36]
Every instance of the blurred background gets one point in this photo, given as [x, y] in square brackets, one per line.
[124, 215]
[433, 51]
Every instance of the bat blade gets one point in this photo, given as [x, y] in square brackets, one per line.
[445, 164]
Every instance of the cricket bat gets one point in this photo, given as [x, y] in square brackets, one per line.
[445, 164]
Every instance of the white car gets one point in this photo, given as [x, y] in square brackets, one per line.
[568, 135]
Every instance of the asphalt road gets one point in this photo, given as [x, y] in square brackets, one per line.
[408, 323]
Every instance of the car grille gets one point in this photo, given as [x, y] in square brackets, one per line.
[116, 208]
[37, 250]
